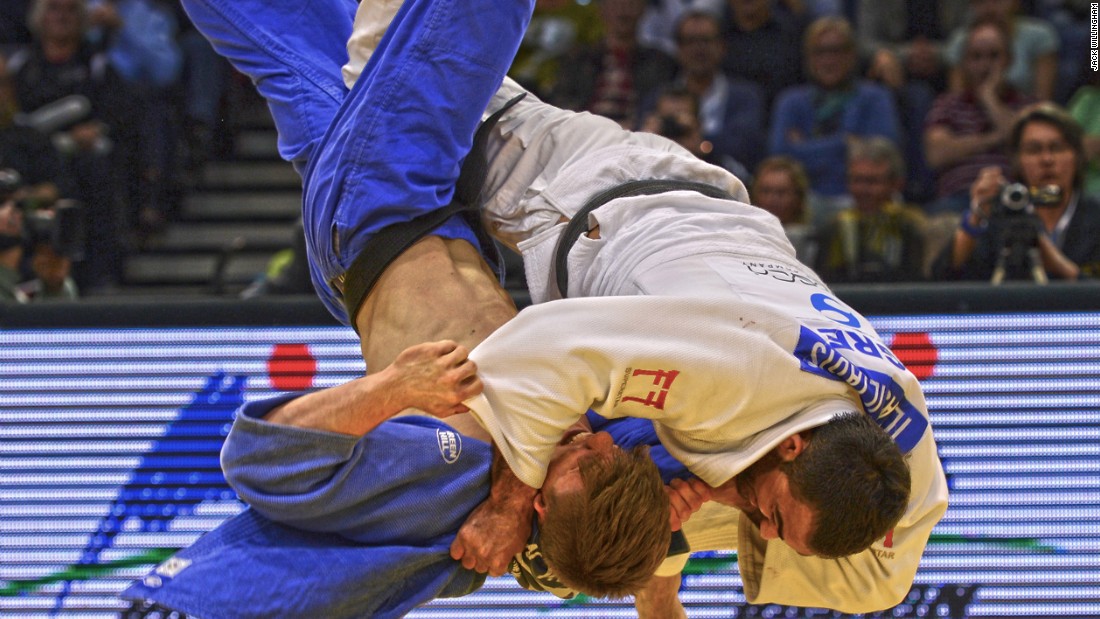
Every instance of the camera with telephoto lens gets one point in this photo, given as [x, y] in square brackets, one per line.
[1016, 198]
[1019, 235]
[672, 128]
[61, 225]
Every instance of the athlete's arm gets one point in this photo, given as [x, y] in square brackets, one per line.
[434, 377]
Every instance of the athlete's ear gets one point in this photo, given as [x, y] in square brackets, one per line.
[792, 446]
[540, 505]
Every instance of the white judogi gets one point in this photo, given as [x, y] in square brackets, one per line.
[717, 333]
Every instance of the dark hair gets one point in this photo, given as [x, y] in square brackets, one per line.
[609, 540]
[697, 13]
[1057, 117]
[1002, 27]
[856, 480]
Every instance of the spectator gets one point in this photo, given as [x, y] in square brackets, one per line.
[61, 64]
[731, 111]
[1070, 20]
[1033, 42]
[140, 40]
[613, 76]
[762, 44]
[780, 187]
[658, 24]
[965, 131]
[1063, 229]
[676, 117]
[878, 239]
[814, 122]
[205, 81]
[1085, 108]
[13, 23]
[28, 152]
[904, 39]
[813, 9]
[11, 251]
[556, 27]
[901, 43]
[50, 267]
[51, 281]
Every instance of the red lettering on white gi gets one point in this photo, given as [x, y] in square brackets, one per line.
[661, 379]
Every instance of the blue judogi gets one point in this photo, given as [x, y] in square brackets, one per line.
[389, 149]
[381, 512]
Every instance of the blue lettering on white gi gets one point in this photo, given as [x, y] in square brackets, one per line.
[450, 445]
[882, 398]
[834, 310]
[861, 343]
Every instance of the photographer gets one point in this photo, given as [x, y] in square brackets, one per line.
[11, 252]
[675, 116]
[1061, 223]
[43, 242]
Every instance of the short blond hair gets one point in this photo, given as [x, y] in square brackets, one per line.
[609, 540]
[829, 23]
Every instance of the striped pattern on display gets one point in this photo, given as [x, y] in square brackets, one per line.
[109, 444]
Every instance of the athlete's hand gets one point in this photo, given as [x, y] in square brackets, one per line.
[685, 497]
[435, 377]
[498, 529]
[493, 534]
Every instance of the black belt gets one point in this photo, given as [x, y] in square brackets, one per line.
[389, 242]
[578, 224]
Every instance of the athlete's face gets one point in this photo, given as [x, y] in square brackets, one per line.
[763, 492]
[563, 475]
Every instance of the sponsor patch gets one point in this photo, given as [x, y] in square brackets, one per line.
[450, 445]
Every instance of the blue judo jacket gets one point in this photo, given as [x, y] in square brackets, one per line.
[343, 526]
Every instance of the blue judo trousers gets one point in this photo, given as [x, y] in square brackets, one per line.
[391, 148]
[364, 525]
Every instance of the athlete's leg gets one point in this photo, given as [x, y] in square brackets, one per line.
[371, 21]
[393, 153]
[527, 150]
[292, 51]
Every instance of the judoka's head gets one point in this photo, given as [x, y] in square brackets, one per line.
[603, 516]
[830, 492]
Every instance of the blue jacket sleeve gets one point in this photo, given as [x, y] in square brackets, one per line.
[369, 488]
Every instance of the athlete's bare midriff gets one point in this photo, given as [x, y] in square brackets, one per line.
[437, 289]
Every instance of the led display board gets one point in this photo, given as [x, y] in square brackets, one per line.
[109, 441]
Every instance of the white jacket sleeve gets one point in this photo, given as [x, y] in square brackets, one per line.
[874, 580]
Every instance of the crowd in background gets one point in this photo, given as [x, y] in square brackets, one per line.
[108, 111]
[886, 135]
[882, 133]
